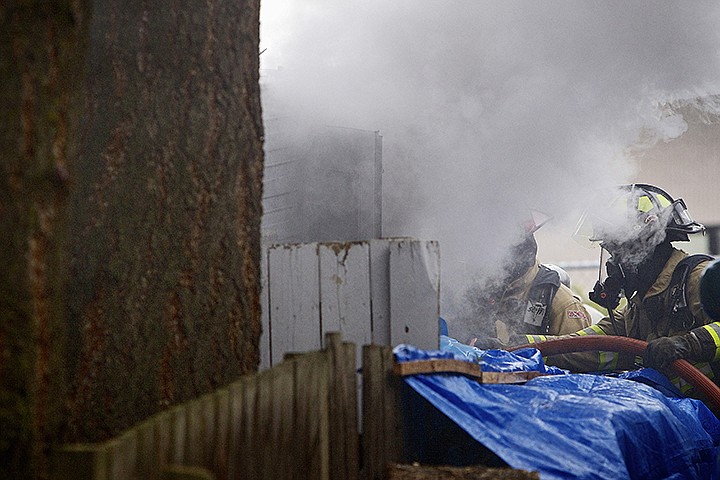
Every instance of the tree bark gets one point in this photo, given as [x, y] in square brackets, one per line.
[130, 205]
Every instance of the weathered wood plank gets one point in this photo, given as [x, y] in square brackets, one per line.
[373, 414]
[183, 472]
[428, 472]
[508, 377]
[344, 461]
[285, 432]
[418, 367]
[275, 422]
[294, 313]
[178, 435]
[264, 344]
[122, 456]
[380, 291]
[393, 404]
[345, 294]
[243, 425]
[312, 416]
[164, 438]
[345, 290]
[148, 449]
[195, 434]
[252, 416]
[352, 411]
[382, 429]
[415, 293]
[75, 461]
[438, 365]
[208, 416]
[221, 452]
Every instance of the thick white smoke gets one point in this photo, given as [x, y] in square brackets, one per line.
[489, 107]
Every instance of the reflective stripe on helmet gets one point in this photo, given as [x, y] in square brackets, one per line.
[645, 203]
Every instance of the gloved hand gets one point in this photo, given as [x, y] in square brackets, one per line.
[661, 352]
[486, 343]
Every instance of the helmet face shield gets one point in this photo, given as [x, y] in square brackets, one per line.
[680, 213]
[583, 233]
[621, 215]
[631, 220]
[534, 221]
[681, 219]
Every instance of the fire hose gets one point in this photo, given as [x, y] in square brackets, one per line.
[612, 343]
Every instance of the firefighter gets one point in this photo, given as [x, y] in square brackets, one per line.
[637, 225]
[699, 344]
[710, 290]
[532, 298]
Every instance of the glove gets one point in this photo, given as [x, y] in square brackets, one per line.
[487, 343]
[662, 352]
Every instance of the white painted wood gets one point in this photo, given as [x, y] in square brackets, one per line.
[264, 312]
[345, 297]
[293, 291]
[380, 291]
[345, 291]
[414, 293]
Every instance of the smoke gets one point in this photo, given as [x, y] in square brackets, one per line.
[627, 221]
[487, 108]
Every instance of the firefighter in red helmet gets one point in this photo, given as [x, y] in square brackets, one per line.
[531, 297]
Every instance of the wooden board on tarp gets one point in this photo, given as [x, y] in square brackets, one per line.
[420, 367]
[442, 472]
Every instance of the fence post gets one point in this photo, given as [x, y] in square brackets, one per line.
[182, 472]
[382, 441]
[221, 452]
[344, 454]
[79, 461]
[312, 448]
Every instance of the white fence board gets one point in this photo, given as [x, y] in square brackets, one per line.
[414, 293]
[264, 312]
[293, 299]
[382, 291]
[345, 291]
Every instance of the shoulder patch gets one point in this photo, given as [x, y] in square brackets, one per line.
[576, 314]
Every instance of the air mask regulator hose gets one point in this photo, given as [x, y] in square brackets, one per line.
[611, 343]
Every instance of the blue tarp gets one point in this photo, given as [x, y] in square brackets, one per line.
[578, 426]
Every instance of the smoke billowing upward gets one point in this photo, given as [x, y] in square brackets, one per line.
[488, 108]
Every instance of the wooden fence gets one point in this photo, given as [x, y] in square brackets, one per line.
[381, 291]
[302, 414]
[297, 420]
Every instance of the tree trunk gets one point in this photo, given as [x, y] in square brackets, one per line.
[130, 207]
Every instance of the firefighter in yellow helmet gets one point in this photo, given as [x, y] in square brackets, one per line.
[637, 224]
[710, 290]
[532, 298]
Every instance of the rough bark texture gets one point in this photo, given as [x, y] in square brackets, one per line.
[130, 206]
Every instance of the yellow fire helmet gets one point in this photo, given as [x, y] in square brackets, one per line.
[635, 212]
